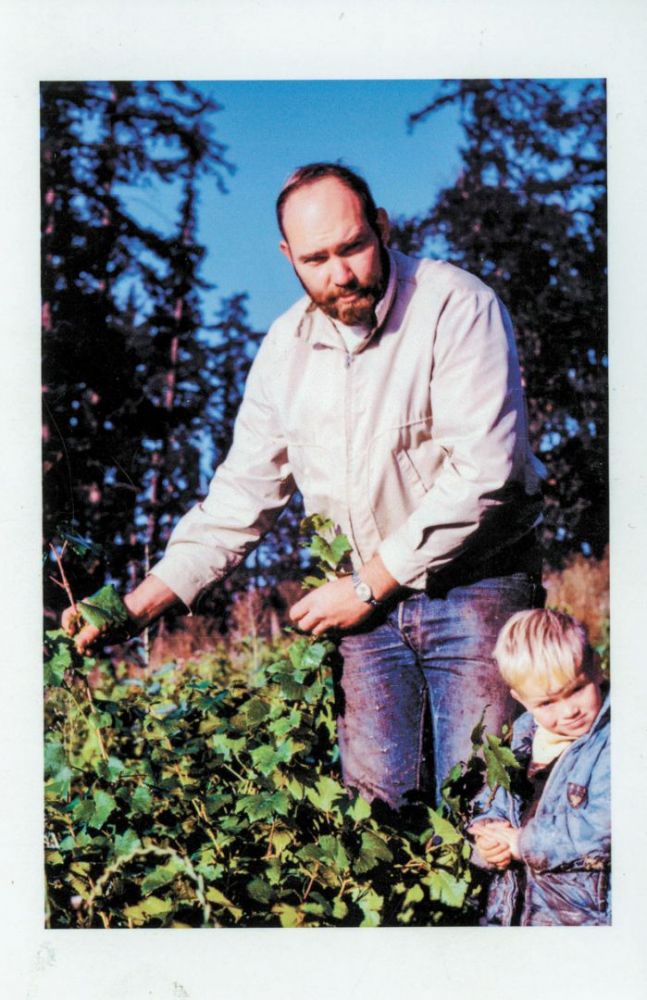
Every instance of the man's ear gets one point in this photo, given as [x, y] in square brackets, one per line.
[285, 250]
[383, 225]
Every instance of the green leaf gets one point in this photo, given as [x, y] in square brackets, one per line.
[141, 801]
[314, 655]
[286, 724]
[61, 783]
[104, 608]
[333, 851]
[446, 888]
[100, 720]
[443, 828]
[83, 810]
[371, 904]
[148, 909]
[162, 875]
[126, 843]
[260, 890]
[216, 896]
[321, 550]
[340, 547]
[359, 810]
[325, 792]
[252, 713]
[499, 759]
[289, 916]
[111, 769]
[266, 759]
[291, 689]
[59, 659]
[55, 758]
[414, 895]
[225, 746]
[104, 804]
[280, 840]
[264, 806]
[77, 543]
[478, 731]
[372, 850]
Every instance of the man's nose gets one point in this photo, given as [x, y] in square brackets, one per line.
[340, 271]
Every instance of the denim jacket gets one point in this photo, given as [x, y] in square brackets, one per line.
[565, 846]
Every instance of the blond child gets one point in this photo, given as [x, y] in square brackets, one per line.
[548, 837]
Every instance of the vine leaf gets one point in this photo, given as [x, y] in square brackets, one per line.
[104, 609]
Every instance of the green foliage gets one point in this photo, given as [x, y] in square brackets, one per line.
[197, 795]
[104, 609]
[491, 763]
[328, 546]
[241, 784]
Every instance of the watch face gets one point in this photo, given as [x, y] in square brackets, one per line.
[363, 591]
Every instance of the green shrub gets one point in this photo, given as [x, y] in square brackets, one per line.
[177, 801]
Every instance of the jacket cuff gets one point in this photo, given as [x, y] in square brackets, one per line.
[397, 560]
[177, 578]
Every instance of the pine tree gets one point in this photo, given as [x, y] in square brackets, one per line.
[126, 374]
[528, 214]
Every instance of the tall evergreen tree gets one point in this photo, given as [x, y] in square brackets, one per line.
[126, 374]
[528, 215]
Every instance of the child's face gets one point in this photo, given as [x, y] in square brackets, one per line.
[569, 711]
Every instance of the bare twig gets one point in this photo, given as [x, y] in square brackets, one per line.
[64, 580]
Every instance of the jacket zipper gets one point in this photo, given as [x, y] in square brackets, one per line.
[348, 361]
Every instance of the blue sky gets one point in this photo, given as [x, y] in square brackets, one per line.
[270, 127]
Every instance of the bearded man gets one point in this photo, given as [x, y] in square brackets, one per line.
[390, 396]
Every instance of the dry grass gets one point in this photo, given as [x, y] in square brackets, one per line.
[256, 616]
[581, 589]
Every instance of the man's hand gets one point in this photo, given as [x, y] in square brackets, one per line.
[335, 605]
[84, 635]
[145, 603]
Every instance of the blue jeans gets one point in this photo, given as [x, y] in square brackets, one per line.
[426, 660]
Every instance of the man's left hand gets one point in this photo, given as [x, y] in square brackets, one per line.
[334, 605]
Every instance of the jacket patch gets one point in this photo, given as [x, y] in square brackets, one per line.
[577, 794]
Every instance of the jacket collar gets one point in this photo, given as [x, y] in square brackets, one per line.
[319, 329]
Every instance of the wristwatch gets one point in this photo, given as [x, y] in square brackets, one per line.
[364, 592]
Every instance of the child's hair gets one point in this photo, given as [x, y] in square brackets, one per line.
[542, 650]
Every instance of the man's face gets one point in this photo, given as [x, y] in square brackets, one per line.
[336, 255]
[570, 711]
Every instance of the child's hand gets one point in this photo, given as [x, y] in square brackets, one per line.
[510, 835]
[492, 841]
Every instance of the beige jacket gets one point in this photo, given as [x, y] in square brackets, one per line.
[411, 444]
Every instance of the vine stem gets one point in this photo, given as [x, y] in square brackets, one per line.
[268, 853]
[311, 882]
[140, 852]
[59, 561]
[88, 692]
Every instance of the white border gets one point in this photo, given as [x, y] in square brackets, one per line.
[269, 39]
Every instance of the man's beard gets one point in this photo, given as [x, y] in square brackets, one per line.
[360, 310]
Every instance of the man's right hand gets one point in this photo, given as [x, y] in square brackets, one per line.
[145, 603]
[72, 623]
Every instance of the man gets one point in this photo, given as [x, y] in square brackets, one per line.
[390, 396]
